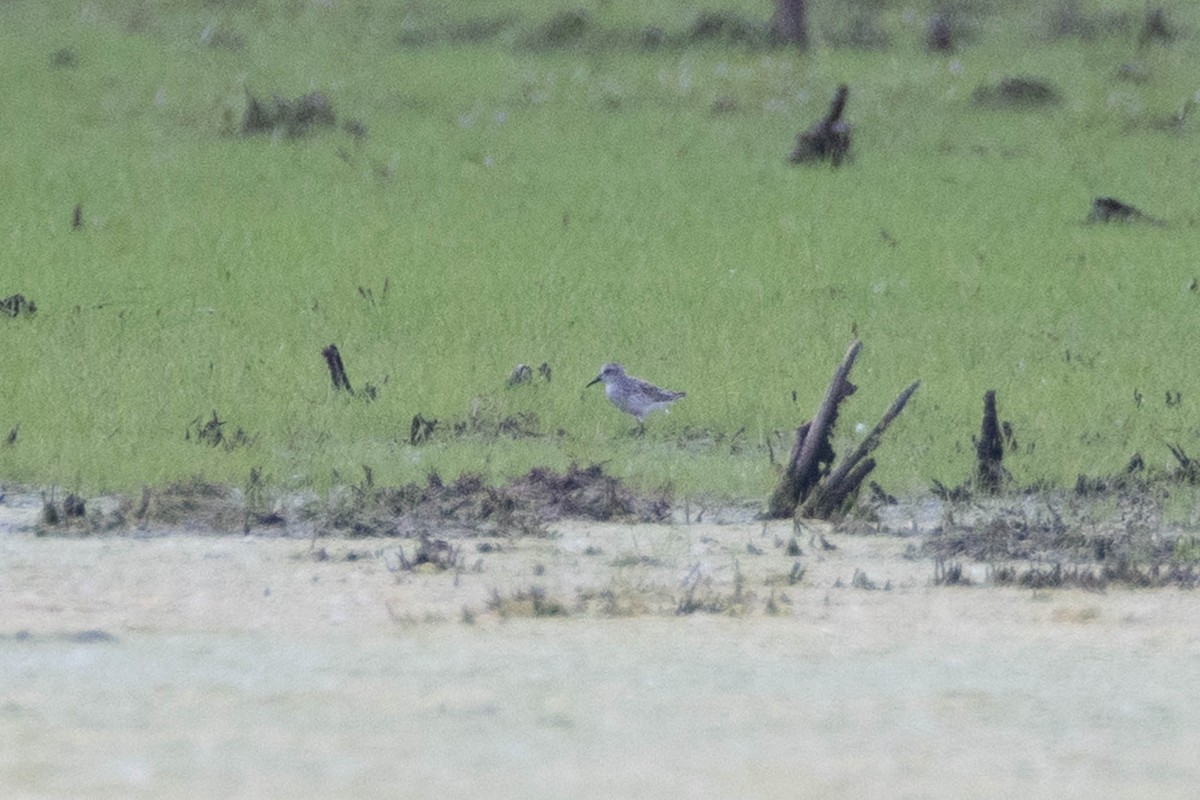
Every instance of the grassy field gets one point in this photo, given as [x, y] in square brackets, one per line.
[513, 202]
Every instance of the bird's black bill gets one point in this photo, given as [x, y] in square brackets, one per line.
[595, 380]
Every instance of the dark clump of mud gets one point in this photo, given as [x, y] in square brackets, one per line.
[278, 115]
[1007, 533]
[468, 505]
[16, 305]
[1018, 93]
[590, 494]
[1110, 209]
[194, 504]
[1109, 532]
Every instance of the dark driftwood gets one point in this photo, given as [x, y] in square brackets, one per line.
[337, 370]
[990, 474]
[844, 481]
[829, 139]
[791, 23]
[812, 447]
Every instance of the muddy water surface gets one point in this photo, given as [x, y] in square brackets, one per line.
[190, 665]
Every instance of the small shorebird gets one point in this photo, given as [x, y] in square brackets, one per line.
[633, 395]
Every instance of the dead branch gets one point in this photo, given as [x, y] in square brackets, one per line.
[812, 447]
[827, 501]
[845, 479]
[337, 370]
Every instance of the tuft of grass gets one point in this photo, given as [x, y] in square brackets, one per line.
[531, 602]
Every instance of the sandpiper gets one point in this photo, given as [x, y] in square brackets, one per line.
[633, 395]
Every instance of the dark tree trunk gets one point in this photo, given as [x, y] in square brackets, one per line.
[812, 447]
[790, 22]
[808, 487]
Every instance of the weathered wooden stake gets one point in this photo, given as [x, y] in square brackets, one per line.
[337, 370]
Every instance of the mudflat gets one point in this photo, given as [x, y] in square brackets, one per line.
[597, 660]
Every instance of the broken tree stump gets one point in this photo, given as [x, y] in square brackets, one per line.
[791, 22]
[990, 474]
[808, 487]
[812, 448]
[844, 481]
[939, 34]
[829, 139]
[337, 370]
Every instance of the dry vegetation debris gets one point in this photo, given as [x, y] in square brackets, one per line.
[17, 305]
[523, 505]
[466, 506]
[279, 116]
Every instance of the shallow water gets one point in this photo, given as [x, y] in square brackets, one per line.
[641, 708]
[243, 667]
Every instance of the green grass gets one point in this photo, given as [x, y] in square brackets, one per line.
[576, 206]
